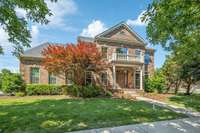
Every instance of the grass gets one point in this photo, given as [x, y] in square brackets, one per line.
[58, 115]
[187, 101]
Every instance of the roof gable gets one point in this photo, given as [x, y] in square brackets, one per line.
[121, 31]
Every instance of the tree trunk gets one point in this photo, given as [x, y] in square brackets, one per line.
[177, 86]
[168, 88]
[188, 87]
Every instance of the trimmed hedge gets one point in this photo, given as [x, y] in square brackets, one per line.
[43, 89]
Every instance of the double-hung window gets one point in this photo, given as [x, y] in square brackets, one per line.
[104, 51]
[35, 75]
[138, 53]
[52, 78]
[104, 78]
[69, 77]
[88, 77]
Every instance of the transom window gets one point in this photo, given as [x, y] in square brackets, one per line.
[104, 78]
[35, 74]
[52, 78]
[88, 77]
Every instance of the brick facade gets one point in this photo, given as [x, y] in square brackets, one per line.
[125, 72]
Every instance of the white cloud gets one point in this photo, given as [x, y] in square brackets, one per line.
[34, 34]
[94, 28]
[60, 10]
[20, 12]
[137, 22]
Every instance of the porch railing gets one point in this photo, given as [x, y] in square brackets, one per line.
[126, 57]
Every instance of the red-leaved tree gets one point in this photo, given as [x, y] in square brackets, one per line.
[77, 58]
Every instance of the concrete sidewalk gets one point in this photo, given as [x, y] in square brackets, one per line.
[187, 125]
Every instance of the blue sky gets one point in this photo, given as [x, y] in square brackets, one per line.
[81, 17]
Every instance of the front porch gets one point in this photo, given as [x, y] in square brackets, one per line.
[126, 77]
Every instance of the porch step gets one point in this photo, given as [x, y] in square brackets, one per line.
[127, 94]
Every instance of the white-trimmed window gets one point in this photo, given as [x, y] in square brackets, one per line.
[104, 51]
[138, 53]
[88, 77]
[52, 78]
[70, 77]
[137, 79]
[35, 75]
[104, 78]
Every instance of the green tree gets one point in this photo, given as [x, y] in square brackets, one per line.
[175, 25]
[156, 83]
[12, 82]
[17, 27]
[171, 71]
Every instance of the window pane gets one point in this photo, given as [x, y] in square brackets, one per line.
[35, 75]
[137, 53]
[88, 77]
[104, 51]
[52, 78]
[137, 80]
[104, 78]
[69, 77]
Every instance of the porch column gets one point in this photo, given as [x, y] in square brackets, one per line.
[141, 78]
[114, 77]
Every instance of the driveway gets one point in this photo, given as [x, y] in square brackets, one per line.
[187, 125]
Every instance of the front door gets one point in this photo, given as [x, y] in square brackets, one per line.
[122, 78]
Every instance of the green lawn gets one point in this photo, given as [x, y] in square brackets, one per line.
[188, 101]
[57, 115]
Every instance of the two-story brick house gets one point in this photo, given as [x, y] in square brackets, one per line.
[124, 49]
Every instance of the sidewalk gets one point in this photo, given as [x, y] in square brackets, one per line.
[187, 125]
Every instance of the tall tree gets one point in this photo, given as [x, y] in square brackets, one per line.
[16, 26]
[175, 25]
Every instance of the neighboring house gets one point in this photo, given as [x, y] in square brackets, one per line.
[126, 51]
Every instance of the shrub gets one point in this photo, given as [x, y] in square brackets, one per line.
[43, 89]
[12, 82]
[91, 91]
[84, 91]
[19, 94]
[155, 83]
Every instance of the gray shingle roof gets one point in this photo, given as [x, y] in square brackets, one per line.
[85, 39]
[37, 51]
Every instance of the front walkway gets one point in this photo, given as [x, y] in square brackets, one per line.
[187, 125]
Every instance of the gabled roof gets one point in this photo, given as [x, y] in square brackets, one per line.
[119, 25]
[37, 51]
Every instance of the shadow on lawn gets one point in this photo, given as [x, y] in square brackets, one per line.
[189, 101]
[56, 116]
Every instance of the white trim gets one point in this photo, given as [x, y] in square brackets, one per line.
[122, 24]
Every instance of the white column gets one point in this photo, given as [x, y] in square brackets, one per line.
[141, 78]
[114, 77]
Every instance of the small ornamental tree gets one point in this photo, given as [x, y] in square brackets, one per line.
[58, 58]
[77, 58]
